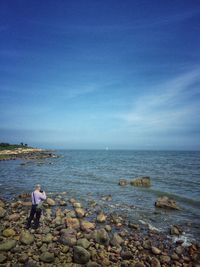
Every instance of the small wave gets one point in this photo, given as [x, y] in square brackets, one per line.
[150, 226]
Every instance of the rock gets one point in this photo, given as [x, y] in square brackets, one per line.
[155, 262]
[165, 259]
[26, 238]
[116, 240]
[62, 203]
[2, 204]
[14, 217]
[77, 205]
[80, 212]
[179, 250]
[175, 230]
[2, 212]
[101, 237]
[146, 244]
[81, 255]
[72, 223]
[23, 258]
[93, 264]
[24, 195]
[47, 238]
[108, 228]
[87, 226]
[47, 257]
[68, 237]
[83, 242]
[126, 255]
[165, 202]
[8, 232]
[107, 198]
[155, 250]
[8, 245]
[26, 204]
[141, 181]
[101, 217]
[123, 182]
[2, 258]
[50, 202]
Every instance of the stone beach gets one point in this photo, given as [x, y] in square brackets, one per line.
[72, 235]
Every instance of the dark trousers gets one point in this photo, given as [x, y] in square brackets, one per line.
[34, 213]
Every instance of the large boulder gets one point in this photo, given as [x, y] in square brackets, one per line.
[81, 255]
[26, 238]
[141, 181]
[166, 203]
[8, 245]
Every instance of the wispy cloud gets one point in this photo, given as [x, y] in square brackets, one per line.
[173, 105]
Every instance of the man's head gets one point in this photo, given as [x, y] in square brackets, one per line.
[38, 187]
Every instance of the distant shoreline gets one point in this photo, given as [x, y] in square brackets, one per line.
[25, 153]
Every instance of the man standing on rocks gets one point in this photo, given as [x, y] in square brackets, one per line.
[37, 197]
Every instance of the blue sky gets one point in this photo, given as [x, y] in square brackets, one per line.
[96, 74]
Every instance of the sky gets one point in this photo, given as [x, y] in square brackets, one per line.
[94, 74]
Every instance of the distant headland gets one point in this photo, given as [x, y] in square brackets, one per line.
[23, 151]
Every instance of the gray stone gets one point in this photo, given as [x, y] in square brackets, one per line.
[47, 257]
[166, 203]
[81, 255]
[8, 245]
[101, 237]
[116, 240]
[83, 242]
[26, 238]
[123, 182]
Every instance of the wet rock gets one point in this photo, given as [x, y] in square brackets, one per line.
[101, 217]
[62, 203]
[68, 237]
[81, 255]
[175, 230]
[179, 250]
[14, 217]
[8, 232]
[146, 244]
[47, 238]
[2, 212]
[72, 223]
[50, 202]
[47, 257]
[24, 195]
[2, 258]
[116, 240]
[7, 245]
[101, 237]
[107, 198]
[26, 238]
[165, 202]
[83, 242]
[155, 250]
[87, 226]
[80, 213]
[141, 181]
[133, 226]
[77, 205]
[123, 182]
[108, 228]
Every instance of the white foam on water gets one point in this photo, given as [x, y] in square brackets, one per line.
[186, 239]
[150, 226]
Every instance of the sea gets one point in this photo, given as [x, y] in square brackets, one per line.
[93, 175]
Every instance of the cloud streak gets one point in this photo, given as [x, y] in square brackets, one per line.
[168, 108]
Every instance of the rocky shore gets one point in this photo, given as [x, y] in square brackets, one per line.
[26, 154]
[71, 235]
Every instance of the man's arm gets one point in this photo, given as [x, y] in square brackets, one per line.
[43, 195]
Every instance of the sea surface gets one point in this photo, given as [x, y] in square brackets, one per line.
[92, 174]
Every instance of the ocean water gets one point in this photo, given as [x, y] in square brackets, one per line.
[91, 174]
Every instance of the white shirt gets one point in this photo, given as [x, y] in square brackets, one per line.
[37, 197]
